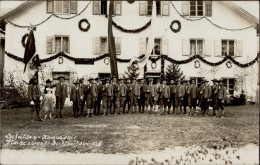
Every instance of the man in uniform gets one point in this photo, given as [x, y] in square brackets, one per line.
[107, 94]
[179, 96]
[120, 96]
[142, 87]
[61, 93]
[91, 96]
[114, 101]
[193, 97]
[172, 97]
[222, 95]
[150, 93]
[127, 100]
[34, 95]
[99, 96]
[134, 96]
[164, 97]
[214, 96]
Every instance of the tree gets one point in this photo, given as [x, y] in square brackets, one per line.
[132, 71]
[173, 72]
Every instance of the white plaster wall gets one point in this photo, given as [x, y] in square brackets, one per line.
[81, 42]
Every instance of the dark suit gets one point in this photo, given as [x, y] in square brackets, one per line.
[142, 98]
[127, 99]
[222, 95]
[206, 95]
[61, 93]
[193, 97]
[83, 97]
[164, 97]
[172, 97]
[214, 97]
[99, 98]
[179, 97]
[186, 97]
[107, 94]
[150, 94]
[120, 97]
[91, 95]
[34, 94]
[75, 95]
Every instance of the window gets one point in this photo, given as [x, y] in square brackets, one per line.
[162, 8]
[103, 45]
[198, 80]
[196, 47]
[103, 7]
[104, 75]
[157, 47]
[161, 46]
[196, 8]
[56, 44]
[62, 7]
[100, 45]
[228, 47]
[229, 83]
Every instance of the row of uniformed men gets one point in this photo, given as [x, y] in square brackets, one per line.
[139, 96]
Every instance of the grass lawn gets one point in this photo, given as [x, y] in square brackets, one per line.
[134, 133]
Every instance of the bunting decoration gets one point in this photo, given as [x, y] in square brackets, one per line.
[132, 30]
[152, 59]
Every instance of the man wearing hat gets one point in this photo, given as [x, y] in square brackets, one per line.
[35, 95]
[127, 99]
[179, 96]
[222, 95]
[150, 93]
[164, 97]
[107, 95]
[61, 93]
[206, 95]
[83, 95]
[193, 97]
[157, 92]
[142, 87]
[120, 96]
[172, 87]
[134, 96]
[214, 97]
[115, 90]
[186, 96]
[75, 95]
[99, 96]
[91, 92]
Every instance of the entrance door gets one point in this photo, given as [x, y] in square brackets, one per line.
[55, 80]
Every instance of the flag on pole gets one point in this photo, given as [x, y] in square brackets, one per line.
[141, 61]
[111, 42]
[31, 59]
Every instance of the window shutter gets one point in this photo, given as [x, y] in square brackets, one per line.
[185, 8]
[95, 45]
[208, 7]
[73, 7]
[218, 48]
[142, 46]
[96, 7]
[66, 6]
[165, 8]
[58, 7]
[207, 48]
[165, 46]
[50, 6]
[142, 8]
[49, 44]
[238, 48]
[118, 45]
[118, 8]
[185, 47]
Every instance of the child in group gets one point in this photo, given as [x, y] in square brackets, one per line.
[48, 102]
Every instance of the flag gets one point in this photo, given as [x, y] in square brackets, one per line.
[111, 43]
[31, 59]
[142, 60]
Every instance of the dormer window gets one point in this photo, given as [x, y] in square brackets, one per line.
[62, 7]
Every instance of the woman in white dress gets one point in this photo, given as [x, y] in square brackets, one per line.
[48, 100]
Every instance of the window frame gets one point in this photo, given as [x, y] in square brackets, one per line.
[53, 3]
[196, 9]
[197, 82]
[227, 84]
[61, 36]
[196, 46]
[228, 47]
[100, 45]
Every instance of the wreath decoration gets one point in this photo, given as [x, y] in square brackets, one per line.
[197, 64]
[23, 39]
[106, 61]
[60, 60]
[153, 65]
[131, 1]
[229, 64]
[80, 25]
[179, 26]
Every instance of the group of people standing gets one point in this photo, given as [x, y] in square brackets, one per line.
[127, 96]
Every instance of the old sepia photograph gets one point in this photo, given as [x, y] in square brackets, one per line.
[129, 82]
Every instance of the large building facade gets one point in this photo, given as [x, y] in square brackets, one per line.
[212, 30]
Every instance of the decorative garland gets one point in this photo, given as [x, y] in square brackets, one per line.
[130, 1]
[179, 26]
[80, 25]
[20, 26]
[165, 57]
[210, 21]
[197, 64]
[132, 30]
[23, 39]
[228, 64]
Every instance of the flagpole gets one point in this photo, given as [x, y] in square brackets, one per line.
[111, 42]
